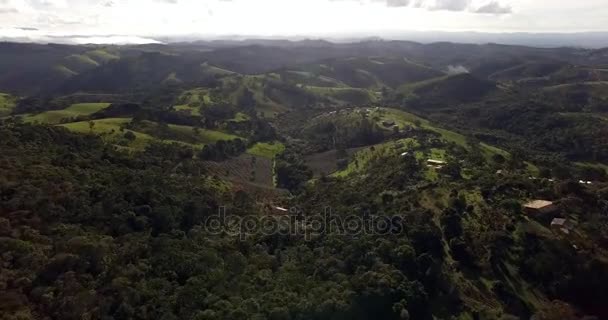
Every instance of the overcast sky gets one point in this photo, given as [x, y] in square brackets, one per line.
[131, 20]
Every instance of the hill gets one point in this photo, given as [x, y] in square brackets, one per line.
[362, 72]
[446, 90]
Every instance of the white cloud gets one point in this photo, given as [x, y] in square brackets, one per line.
[451, 5]
[494, 7]
[148, 18]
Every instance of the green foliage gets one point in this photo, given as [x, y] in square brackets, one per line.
[267, 149]
[7, 103]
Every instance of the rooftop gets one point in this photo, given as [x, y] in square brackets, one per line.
[538, 204]
[432, 161]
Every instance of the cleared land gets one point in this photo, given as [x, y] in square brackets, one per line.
[325, 163]
[245, 169]
[73, 111]
[267, 150]
[113, 130]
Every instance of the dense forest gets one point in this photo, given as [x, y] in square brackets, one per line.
[303, 180]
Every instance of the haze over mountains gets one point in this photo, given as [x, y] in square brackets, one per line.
[554, 39]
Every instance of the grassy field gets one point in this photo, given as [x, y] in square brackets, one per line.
[240, 117]
[75, 110]
[349, 95]
[82, 60]
[65, 71]
[404, 119]
[193, 100]
[215, 70]
[101, 55]
[266, 150]
[109, 130]
[193, 111]
[592, 165]
[146, 132]
[363, 156]
[7, 103]
[204, 136]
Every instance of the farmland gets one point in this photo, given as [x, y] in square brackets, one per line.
[245, 169]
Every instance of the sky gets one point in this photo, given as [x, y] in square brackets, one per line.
[124, 21]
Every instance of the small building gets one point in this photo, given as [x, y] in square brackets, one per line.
[563, 226]
[540, 207]
[436, 162]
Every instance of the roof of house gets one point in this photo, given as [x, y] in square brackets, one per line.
[435, 161]
[538, 204]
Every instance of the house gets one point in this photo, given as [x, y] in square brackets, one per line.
[540, 207]
[563, 226]
[436, 164]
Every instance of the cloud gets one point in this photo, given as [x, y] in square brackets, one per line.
[395, 3]
[451, 5]
[8, 10]
[494, 7]
[48, 4]
[459, 69]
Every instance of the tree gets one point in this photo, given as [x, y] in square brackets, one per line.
[129, 135]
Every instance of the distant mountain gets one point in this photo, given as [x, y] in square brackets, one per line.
[27, 69]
